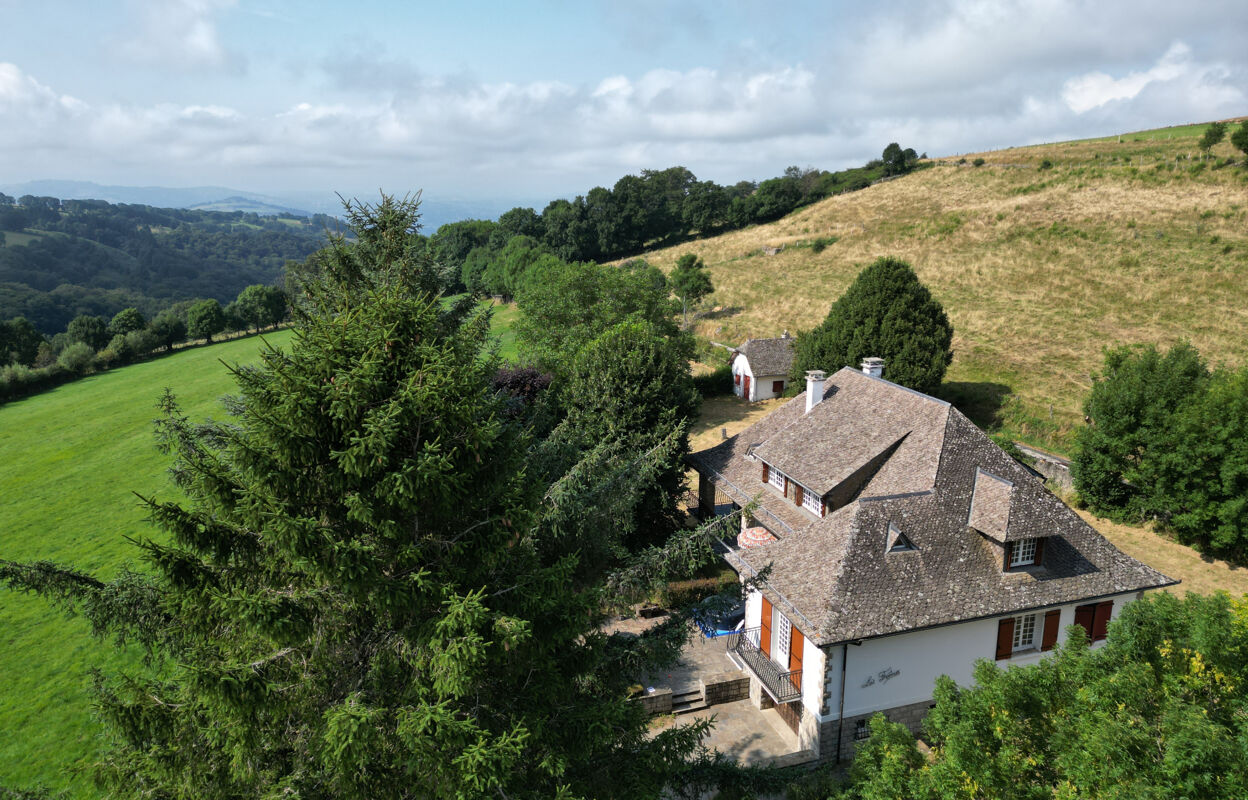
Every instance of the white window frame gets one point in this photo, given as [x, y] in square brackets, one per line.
[1024, 633]
[784, 639]
[1023, 553]
[776, 478]
[812, 502]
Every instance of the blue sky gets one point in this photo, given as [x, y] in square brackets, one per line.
[530, 100]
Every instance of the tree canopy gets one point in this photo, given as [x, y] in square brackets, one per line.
[205, 320]
[886, 313]
[1168, 441]
[690, 282]
[376, 586]
[1156, 713]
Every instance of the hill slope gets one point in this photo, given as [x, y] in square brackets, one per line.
[1039, 269]
[70, 461]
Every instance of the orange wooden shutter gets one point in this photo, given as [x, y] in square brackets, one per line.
[1009, 552]
[1100, 622]
[1005, 638]
[797, 494]
[766, 472]
[764, 636]
[1051, 621]
[1039, 551]
[796, 646]
[1083, 618]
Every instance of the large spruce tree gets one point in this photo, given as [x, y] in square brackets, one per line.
[886, 313]
[374, 587]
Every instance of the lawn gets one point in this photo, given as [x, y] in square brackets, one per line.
[70, 461]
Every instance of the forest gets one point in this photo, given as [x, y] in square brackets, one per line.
[63, 258]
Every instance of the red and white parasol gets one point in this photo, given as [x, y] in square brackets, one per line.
[754, 537]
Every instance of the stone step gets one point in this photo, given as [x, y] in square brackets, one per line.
[681, 697]
[688, 706]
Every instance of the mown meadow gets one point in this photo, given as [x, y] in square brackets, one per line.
[71, 461]
[1039, 268]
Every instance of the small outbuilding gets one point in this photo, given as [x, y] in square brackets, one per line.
[760, 367]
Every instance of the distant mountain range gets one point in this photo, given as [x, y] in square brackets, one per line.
[434, 213]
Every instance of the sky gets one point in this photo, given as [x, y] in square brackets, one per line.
[532, 100]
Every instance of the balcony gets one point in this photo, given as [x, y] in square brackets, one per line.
[783, 687]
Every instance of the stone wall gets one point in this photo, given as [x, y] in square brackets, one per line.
[911, 716]
[657, 702]
[725, 687]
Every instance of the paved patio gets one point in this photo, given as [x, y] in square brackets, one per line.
[740, 730]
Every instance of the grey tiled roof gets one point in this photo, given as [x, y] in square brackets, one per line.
[768, 356]
[834, 576]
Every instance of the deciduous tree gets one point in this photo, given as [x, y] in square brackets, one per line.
[690, 282]
[205, 319]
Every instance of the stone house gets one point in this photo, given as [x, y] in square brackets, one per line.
[901, 544]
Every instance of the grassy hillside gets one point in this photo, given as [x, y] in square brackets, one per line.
[70, 461]
[1039, 269]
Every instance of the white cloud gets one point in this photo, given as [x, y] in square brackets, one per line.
[1095, 89]
[177, 33]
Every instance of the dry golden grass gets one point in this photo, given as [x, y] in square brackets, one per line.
[731, 414]
[1198, 573]
[1038, 269]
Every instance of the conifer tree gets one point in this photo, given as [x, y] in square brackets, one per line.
[886, 312]
[374, 588]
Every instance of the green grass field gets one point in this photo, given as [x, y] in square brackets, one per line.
[71, 461]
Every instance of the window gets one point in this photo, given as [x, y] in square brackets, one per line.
[1023, 553]
[1024, 632]
[1094, 618]
[777, 387]
[812, 502]
[860, 730]
[776, 479]
[736, 378]
[784, 635]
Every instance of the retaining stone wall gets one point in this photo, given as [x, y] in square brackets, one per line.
[910, 715]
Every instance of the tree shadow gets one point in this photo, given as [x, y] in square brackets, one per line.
[721, 313]
[980, 401]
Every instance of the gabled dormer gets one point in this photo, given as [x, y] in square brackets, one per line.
[802, 496]
[992, 499]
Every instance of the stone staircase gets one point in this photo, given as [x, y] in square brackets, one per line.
[689, 701]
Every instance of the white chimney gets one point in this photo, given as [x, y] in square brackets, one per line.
[873, 367]
[814, 388]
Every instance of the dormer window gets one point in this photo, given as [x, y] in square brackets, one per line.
[776, 478]
[897, 541]
[1024, 553]
[812, 503]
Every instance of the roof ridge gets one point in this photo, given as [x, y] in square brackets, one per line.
[915, 392]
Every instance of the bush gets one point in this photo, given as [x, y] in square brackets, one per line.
[716, 383]
[818, 245]
[682, 594]
[77, 358]
[1046, 164]
[979, 162]
[18, 381]
[142, 342]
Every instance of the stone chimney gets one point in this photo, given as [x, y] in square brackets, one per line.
[814, 388]
[873, 367]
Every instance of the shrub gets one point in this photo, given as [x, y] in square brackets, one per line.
[142, 342]
[715, 383]
[818, 245]
[1046, 164]
[77, 358]
[979, 162]
[682, 594]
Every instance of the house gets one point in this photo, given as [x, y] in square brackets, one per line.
[760, 367]
[896, 543]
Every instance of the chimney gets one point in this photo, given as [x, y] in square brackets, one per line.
[814, 388]
[873, 367]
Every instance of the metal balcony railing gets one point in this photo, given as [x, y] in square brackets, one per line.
[784, 687]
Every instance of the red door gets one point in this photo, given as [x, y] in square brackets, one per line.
[746, 388]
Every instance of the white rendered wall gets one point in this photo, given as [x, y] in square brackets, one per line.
[898, 670]
[812, 670]
[740, 369]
